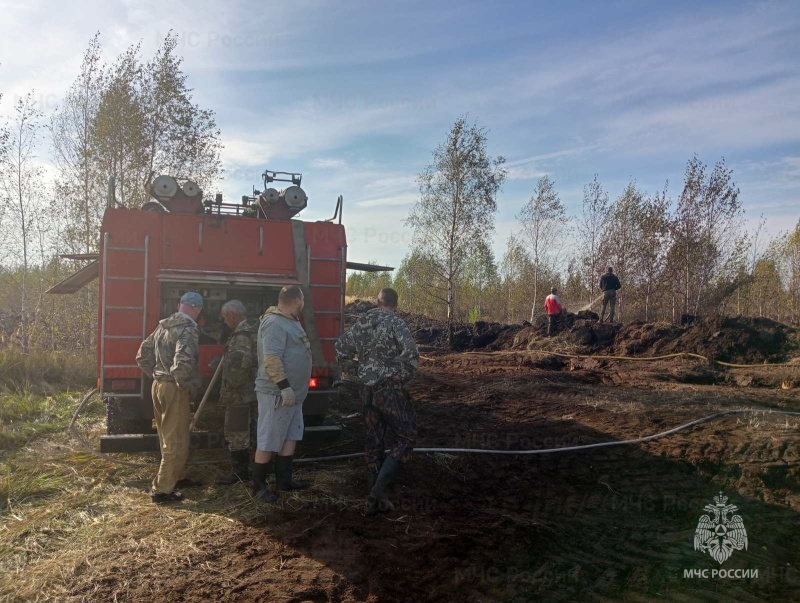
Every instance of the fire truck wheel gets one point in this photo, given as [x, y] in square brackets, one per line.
[122, 418]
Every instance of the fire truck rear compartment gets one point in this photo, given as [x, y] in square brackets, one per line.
[130, 420]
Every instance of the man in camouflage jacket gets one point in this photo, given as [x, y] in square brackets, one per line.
[379, 348]
[169, 357]
[237, 393]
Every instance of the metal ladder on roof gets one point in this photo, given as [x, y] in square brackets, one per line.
[143, 309]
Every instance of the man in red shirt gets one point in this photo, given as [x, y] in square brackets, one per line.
[554, 309]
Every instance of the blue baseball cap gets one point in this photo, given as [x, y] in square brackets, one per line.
[193, 299]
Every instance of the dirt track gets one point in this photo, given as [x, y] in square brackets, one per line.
[607, 524]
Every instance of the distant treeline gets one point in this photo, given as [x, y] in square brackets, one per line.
[689, 255]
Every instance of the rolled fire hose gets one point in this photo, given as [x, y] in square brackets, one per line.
[207, 395]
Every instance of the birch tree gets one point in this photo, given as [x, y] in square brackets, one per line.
[592, 226]
[147, 125]
[543, 220]
[457, 203]
[621, 239]
[791, 252]
[514, 265]
[21, 188]
[652, 246]
[79, 181]
[706, 233]
[418, 285]
[181, 138]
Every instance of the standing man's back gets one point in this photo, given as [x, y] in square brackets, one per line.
[169, 357]
[609, 285]
[379, 348]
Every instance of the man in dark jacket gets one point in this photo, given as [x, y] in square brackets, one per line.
[379, 348]
[609, 285]
[169, 357]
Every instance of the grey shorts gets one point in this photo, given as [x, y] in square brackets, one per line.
[277, 424]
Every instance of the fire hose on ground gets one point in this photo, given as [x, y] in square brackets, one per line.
[73, 430]
[628, 358]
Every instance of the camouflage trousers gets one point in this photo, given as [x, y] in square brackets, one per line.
[240, 425]
[388, 406]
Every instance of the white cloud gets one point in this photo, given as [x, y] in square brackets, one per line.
[706, 80]
[389, 201]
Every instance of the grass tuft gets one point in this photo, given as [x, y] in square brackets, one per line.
[45, 373]
[38, 393]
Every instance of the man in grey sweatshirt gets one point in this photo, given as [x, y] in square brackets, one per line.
[284, 369]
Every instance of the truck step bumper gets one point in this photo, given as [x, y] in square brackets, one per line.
[204, 440]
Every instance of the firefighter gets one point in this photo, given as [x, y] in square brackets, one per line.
[284, 369]
[237, 393]
[609, 285]
[555, 312]
[169, 357]
[380, 350]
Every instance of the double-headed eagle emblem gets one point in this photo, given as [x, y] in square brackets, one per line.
[722, 535]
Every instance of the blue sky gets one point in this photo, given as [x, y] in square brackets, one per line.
[356, 95]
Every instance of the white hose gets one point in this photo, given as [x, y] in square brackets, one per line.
[351, 455]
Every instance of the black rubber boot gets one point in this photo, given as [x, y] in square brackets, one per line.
[283, 475]
[378, 499]
[260, 489]
[372, 477]
[240, 469]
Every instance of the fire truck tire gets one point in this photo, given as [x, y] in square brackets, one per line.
[122, 418]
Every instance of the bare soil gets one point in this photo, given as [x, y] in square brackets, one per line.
[607, 524]
[613, 523]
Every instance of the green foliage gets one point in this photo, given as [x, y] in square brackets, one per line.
[146, 124]
[57, 322]
[543, 221]
[706, 234]
[24, 416]
[130, 120]
[367, 285]
[458, 200]
[420, 288]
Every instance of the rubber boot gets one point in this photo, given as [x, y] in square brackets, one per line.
[283, 475]
[372, 506]
[372, 476]
[240, 466]
[378, 499]
[260, 489]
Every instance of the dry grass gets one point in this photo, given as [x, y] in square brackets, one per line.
[69, 520]
[45, 373]
[63, 508]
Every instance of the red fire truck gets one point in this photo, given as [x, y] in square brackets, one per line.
[247, 251]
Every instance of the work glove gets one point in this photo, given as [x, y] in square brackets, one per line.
[287, 397]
